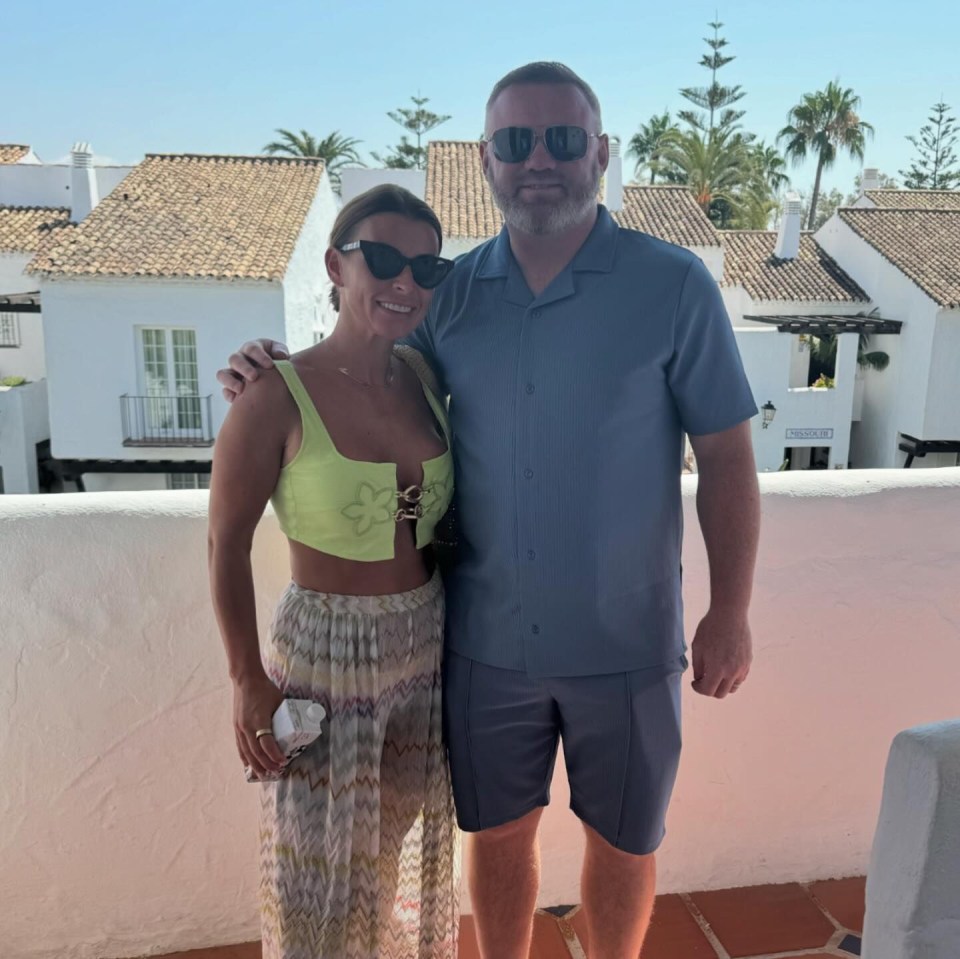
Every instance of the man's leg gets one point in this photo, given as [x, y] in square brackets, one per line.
[504, 878]
[621, 743]
[617, 890]
[502, 733]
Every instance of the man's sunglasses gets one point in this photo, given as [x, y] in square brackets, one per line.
[564, 143]
[385, 262]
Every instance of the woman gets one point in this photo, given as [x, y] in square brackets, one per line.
[357, 838]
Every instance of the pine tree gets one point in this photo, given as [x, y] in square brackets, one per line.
[936, 166]
[418, 121]
[714, 98]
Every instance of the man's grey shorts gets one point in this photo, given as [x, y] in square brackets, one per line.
[621, 744]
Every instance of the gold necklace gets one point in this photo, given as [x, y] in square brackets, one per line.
[380, 386]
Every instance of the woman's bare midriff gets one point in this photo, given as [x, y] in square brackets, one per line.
[323, 573]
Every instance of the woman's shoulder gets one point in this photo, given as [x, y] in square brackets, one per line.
[268, 394]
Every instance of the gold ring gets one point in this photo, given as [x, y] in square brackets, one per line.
[263, 732]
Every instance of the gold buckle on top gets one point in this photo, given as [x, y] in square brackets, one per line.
[412, 494]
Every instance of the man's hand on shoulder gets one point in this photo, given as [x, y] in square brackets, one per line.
[247, 363]
[722, 651]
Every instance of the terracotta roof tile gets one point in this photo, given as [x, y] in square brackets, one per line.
[923, 244]
[193, 216]
[915, 199]
[458, 192]
[668, 212]
[12, 152]
[26, 229]
[748, 261]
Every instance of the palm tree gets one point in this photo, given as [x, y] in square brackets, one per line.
[335, 150]
[646, 145]
[824, 123]
[754, 209]
[714, 164]
[770, 166]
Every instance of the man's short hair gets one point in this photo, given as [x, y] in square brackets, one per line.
[546, 71]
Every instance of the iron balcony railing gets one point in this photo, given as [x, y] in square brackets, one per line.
[166, 420]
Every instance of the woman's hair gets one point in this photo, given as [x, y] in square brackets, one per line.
[386, 198]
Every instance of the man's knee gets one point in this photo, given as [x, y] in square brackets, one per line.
[602, 848]
[522, 831]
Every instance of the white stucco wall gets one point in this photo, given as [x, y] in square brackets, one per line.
[942, 419]
[897, 400]
[12, 277]
[124, 482]
[768, 356]
[48, 184]
[306, 286]
[712, 257]
[90, 331]
[28, 359]
[799, 362]
[24, 422]
[117, 746]
[913, 910]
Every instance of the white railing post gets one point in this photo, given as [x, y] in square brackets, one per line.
[913, 884]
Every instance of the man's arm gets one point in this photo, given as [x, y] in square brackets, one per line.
[728, 505]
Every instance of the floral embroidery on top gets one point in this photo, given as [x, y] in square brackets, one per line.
[432, 496]
[371, 507]
[375, 506]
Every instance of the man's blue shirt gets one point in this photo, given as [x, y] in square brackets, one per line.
[568, 411]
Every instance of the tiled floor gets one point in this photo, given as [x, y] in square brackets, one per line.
[818, 920]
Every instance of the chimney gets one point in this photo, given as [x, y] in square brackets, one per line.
[870, 179]
[613, 178]
[83, 182]
[788, 237]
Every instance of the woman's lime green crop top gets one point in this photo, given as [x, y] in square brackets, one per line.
[350, 508]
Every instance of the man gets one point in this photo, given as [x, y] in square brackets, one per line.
[576, 354]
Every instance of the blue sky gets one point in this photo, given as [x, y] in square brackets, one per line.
[218, 77]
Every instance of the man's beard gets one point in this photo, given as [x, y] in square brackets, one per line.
[546, 218]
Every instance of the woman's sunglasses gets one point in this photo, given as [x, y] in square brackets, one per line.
[563, 143]
[385, 262]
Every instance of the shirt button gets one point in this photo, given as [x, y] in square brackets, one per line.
[531, 554]
[536, 314]
[530, 387]
[535, 629]
[528, 473]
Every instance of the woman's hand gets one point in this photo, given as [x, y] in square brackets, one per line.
[255, 700]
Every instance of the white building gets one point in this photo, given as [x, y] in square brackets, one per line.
[781, 288]
[903, 247]
[145, 297]
[36, 201]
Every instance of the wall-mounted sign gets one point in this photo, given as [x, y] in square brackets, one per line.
[821, 434]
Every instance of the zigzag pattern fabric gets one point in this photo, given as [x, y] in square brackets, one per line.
[359, 849]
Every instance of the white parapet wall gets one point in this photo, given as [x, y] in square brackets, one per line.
[127, 828]
[913, 887]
